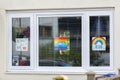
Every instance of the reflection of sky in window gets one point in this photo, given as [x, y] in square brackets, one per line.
[104, 25]
[25, 22]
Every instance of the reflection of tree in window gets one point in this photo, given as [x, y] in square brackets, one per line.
[73, 25]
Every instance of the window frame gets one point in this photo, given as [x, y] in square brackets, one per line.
[9, 31]
[61, 70]
[111, 67]
[34, 68]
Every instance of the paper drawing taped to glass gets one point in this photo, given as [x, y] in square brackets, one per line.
[61, 43]
[98, 43]
[21, 44]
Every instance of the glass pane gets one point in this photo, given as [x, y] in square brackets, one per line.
[59, 41]
[20, 41]
[99, 41]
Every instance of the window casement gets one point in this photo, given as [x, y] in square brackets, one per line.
[60, 41]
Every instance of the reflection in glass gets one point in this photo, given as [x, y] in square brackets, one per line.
[20, 41]
[99, 30]
[68, 52]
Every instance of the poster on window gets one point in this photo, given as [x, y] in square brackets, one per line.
[61, 43]
[21, 44]
[98, 43]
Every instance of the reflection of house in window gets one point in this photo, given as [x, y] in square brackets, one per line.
[45, 31]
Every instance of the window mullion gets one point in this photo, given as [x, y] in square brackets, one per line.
[33, 42]
[36, 42]
[85, 41]
[111, 40]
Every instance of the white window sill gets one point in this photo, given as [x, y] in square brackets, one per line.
[56, 72]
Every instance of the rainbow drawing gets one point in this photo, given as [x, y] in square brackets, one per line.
[61, 43]
[99, 43]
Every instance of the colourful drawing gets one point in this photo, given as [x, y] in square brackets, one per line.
[99, 43]
[61, 43]
[21, 44]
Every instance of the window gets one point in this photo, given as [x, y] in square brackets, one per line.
[99, 29]
[59, 28]
[20, 34]
[70, 41]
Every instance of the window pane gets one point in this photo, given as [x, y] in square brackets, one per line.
[59, 41]
[21, 41]
[99, 41]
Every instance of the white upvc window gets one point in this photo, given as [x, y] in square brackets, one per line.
[60, 41]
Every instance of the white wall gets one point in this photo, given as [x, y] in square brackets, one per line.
[53, 4]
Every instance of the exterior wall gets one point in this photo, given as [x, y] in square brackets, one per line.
[53, 4]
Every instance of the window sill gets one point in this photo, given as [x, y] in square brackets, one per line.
[82, 72]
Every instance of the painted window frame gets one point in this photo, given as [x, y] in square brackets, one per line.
[9, 30]
[34, 68]
[111, 29]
